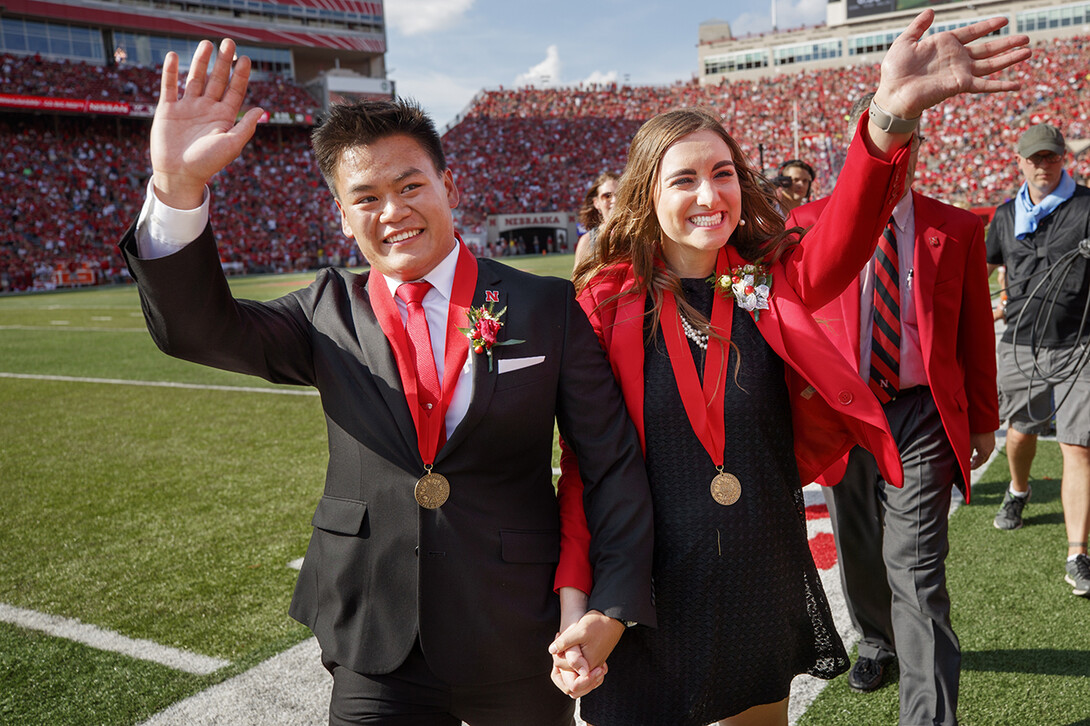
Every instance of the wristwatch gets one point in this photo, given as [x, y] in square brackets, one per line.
[892, 124]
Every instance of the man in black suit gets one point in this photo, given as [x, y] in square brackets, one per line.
[429, 576]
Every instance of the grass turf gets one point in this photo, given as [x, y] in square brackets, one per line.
[1024, 637]
[168, 514]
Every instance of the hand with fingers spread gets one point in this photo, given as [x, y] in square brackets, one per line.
[196, 135]
[920, 71]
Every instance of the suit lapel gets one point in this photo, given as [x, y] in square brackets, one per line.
[930, 243]
[484, 381]
[377, 356]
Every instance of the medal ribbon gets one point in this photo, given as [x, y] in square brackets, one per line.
[429, 424]
[703, 405]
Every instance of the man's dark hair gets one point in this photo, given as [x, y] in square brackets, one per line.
[349, 125]
[798, 164]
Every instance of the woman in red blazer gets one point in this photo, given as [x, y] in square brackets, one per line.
[702, 301]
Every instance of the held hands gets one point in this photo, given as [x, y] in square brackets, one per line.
[579, 653]
[573, 675]
[195, 136]
[920, 71]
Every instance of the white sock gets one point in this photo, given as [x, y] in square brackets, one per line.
[1020, 495]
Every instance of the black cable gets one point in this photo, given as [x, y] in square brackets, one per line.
[1055, 275]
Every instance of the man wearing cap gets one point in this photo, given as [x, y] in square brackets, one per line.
[1037, 237]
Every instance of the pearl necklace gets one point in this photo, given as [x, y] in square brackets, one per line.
[701, 339]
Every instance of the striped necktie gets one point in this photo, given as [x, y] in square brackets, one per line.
[885, 352]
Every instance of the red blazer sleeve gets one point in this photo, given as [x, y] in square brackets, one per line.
[843, 238]
[574, 568]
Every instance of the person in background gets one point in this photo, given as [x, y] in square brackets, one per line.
[916, 324]
[597, 206]
[1042, 373]
[793, 184]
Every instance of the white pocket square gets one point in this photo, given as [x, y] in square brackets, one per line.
[506, 365]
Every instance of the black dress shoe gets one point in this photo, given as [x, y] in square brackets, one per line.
[866, 674]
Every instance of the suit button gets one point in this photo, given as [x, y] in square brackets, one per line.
[416, 551]
[844, 397]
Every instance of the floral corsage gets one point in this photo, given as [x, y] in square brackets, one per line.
[484, 325]
[750, 285]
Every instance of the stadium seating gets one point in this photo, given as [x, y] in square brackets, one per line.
[71, 184]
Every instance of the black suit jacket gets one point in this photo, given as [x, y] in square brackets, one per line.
[474, 578]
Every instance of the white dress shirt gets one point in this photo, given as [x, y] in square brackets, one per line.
[912, 372]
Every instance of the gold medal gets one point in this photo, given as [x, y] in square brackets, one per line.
[726, 488]
[432, 490]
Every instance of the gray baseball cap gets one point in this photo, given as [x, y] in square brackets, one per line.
[1042, 137]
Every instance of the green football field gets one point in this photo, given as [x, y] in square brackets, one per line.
[161, 503]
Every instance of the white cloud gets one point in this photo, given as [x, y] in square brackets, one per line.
[801, 12]
[417, 17]
[599, 77]
[789, 14]
[545, 73]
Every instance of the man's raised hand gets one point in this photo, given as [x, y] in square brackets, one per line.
[195, 136]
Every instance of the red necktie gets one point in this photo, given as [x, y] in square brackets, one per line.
[412, 293]
[885, 352]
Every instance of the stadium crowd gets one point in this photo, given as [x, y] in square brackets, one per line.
[71, 183]
[34, 76]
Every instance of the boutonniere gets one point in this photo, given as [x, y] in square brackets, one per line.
[484, 325]
[750, 286]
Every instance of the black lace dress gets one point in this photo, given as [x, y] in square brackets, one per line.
[741, 608]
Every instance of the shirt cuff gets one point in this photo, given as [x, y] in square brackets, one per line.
[162, 230]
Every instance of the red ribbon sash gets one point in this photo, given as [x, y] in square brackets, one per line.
[703, 405]
[429, 424]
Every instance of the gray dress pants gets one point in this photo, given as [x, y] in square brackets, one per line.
[892, 545]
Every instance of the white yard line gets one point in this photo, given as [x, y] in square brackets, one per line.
[56, 324]
[162, 384]
[96, 637]
[289, 689]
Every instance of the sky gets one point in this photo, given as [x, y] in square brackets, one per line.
[443, 52]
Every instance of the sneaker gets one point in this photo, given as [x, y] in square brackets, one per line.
[1078, 575]
[1009, 515]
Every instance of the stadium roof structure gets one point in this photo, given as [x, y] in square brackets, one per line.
[334, 48]
[338, 24]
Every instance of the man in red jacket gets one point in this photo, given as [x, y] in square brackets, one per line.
[917, 322]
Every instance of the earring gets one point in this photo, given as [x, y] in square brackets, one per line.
[741, 223]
